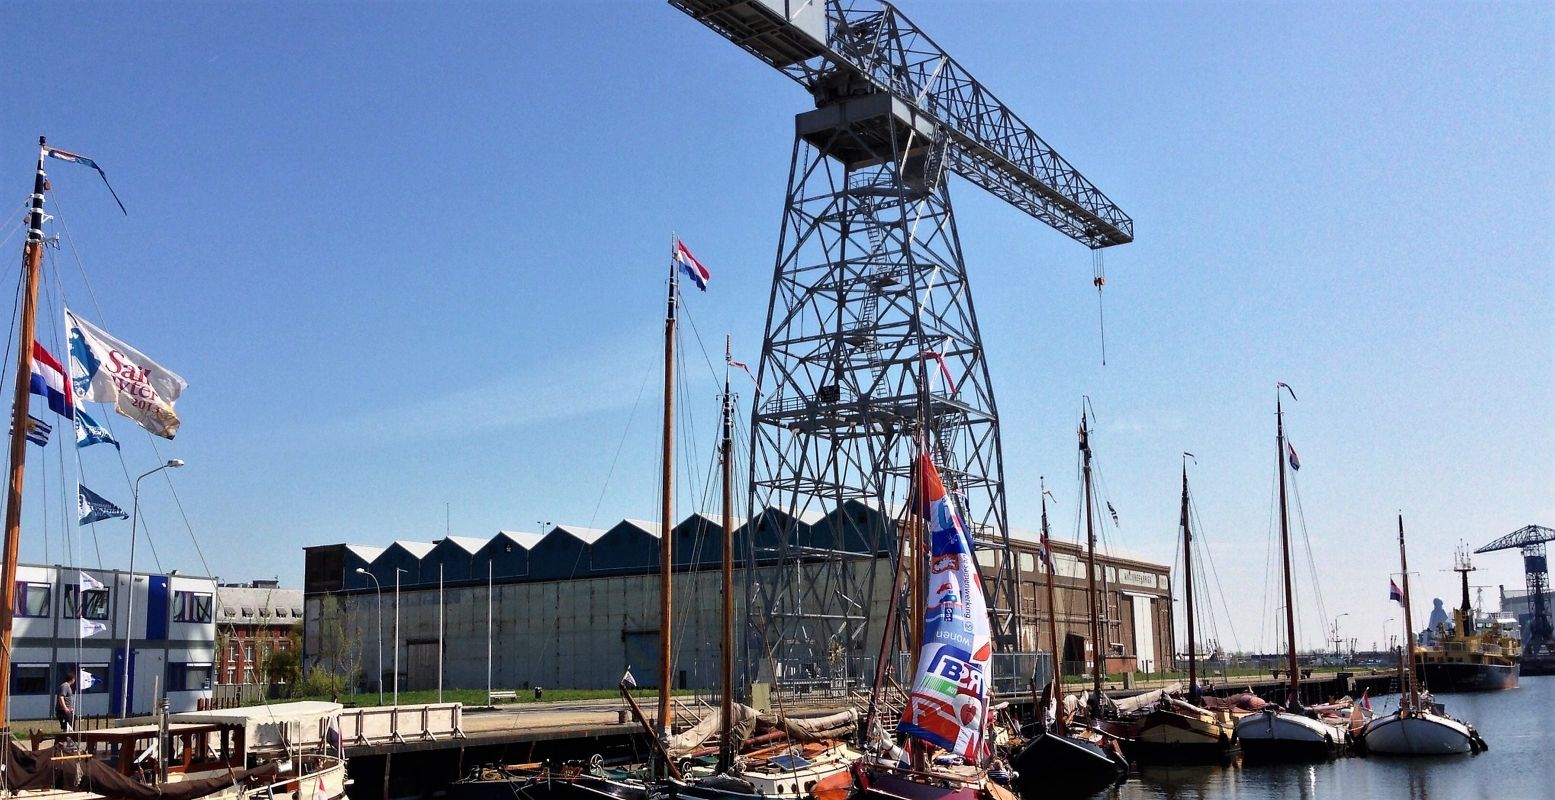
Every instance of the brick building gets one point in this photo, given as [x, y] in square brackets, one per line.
[254, 619]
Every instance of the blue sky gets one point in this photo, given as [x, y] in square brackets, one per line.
[411, 255]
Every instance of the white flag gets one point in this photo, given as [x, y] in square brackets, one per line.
[88, 680]
[106, 370]
[89, 583]
[90, 627]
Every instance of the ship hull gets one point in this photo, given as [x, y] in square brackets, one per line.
[1063, 766]
[1270, 736]
[1451, 677]
[1167, 737]
[1416, 735]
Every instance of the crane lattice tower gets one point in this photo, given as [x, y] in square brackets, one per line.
[871, 335]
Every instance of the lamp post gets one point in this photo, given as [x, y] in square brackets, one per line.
[378, 588]
[1337, 640]
[129, 584]
[1387, 642]
[397, 572]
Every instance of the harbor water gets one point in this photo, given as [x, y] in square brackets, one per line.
[1520, 763]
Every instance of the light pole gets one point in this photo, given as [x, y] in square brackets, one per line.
[1337, 640]
[379, 589]
[397, 572]
[129, 584]
[1386, 642]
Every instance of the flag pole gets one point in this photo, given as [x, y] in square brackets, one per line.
[32, 259]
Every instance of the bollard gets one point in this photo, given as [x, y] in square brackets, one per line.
[620, 716]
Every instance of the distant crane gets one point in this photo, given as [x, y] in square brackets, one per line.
[871, 339]
[1539, 635]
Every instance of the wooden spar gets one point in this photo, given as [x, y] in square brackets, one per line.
[1290, 606]
[1052, 602]
[1097, 653]
[1187, 572]
[666, 503]
[726, 742]
[32, 258]
[1411, 686]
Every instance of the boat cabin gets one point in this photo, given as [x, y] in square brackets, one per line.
[132, 750]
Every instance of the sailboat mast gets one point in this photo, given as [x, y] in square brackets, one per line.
[1290, 606]
[1090, 571]
[726, 746]
[1187, 578]
[1411, 687]
[667, 502]
[1052, 601]
[32, 259]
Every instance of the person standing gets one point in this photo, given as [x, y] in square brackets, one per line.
[65, 703]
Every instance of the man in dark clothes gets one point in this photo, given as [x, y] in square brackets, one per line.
[65, 703]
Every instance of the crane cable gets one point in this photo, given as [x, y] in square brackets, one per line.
[1099, 279]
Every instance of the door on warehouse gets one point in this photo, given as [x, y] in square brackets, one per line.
[421, 665]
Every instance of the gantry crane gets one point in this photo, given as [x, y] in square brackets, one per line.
[871, 339]
[1538, 633]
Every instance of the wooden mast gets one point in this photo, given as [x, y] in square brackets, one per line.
[667, 502]
[1411, 686]
[32, 258]
[726, 745]
[1052, 600]
[1098, 654]
[1187, 572]
[1290, 606]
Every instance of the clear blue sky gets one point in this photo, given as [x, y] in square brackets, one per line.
[409, 255]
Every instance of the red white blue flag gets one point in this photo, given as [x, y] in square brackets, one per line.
[949, 697]
[1395, 593]
[48, 381]
[1295, 463]
[693, 268]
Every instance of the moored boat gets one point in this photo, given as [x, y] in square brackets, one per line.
[1419, 727]
[1466, 658]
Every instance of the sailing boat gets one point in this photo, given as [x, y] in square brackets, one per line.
[1418, 727]
[1053, 761]
[1272, 734]
[77, 765]
[1178, 732]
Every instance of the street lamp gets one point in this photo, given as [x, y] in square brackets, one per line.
[129, 583]
[397, 572]
[1387, 642]
[1337, 640]
[379, 590]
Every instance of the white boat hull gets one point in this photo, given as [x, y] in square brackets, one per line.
[1420, 734]
[1278, 736]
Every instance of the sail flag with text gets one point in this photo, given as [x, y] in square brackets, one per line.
[106, 370]
[949, 697]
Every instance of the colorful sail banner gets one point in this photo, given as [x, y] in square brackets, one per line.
[949, 700]
[106, 370]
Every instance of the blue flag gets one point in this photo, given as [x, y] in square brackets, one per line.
[88, 432]
[93, 506]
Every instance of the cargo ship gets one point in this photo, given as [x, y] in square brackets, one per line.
[1467, 658]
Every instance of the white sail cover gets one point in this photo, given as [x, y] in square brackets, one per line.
[949, 697]
[106, 370]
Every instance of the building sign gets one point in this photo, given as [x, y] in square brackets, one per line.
[1134, 577]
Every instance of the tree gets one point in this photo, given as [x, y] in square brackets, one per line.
[337, 665]
[284, 664]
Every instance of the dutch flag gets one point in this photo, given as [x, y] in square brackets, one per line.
[1395, 593]
[48, 381]
[693, 268]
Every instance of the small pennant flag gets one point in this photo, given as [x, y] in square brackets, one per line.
[1366, 699]
[88, 680]
[1113, 512]
[1046, 551]
[627, 680]
[1395, 593]
[1286, 387]
[88, 432]
[89, 583]
[38, 431]
[693, 268]
[62, 155]
[1295, 462]
[93, 507]
[90, 627]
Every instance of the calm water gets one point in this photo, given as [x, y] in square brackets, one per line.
[1519, 725]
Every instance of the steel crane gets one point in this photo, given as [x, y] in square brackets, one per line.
[871, 340]
[1538, 634]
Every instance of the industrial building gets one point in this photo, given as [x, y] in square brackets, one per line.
[66, 616]
[574, 607]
